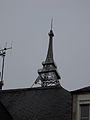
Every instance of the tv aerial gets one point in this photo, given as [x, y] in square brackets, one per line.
[2, 55]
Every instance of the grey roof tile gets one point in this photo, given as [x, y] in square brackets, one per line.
[52, 103]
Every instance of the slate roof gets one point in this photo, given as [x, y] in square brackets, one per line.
[51, 103]
[4, 114]
[82, 90]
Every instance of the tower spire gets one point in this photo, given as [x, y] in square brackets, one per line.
[48, 75]
[49, 58]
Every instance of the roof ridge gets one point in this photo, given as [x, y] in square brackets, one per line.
[34, 88]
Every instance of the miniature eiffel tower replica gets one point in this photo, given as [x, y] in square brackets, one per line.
[48, 75]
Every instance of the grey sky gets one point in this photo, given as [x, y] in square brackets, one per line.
[27, 23]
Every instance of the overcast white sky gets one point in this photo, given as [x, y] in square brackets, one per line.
[27, 23]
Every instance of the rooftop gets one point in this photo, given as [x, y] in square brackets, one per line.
[37, 103]
[81, 90]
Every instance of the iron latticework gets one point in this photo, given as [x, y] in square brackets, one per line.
[48, 75]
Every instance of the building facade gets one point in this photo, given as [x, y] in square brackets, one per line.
[81, 104]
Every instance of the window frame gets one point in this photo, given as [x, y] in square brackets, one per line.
[81, 99]
[88, 111]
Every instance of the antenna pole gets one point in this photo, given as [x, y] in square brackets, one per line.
[2, 66]
[2, 54]
[51, 23]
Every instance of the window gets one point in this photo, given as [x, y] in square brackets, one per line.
[84, 112]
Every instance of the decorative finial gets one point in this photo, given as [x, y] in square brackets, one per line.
[51, 31]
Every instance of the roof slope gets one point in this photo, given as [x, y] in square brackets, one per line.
[52, 103]
[82, 90]
[4, 114]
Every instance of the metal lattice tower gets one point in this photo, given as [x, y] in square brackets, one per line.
[48, 75]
